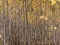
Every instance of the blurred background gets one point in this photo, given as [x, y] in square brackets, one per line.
[29, 22]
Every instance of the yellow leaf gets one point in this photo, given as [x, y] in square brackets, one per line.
[53, 2]
[41, 17]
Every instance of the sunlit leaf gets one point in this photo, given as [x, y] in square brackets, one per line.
[52, 2]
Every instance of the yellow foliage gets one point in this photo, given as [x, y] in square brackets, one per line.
[54, 2]
[10, 2]
[16, 0]
[30, 18]
[21, 4]
[43, 17]
[36, 4]
[58, 0]
[1, 3]
[52, 28]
